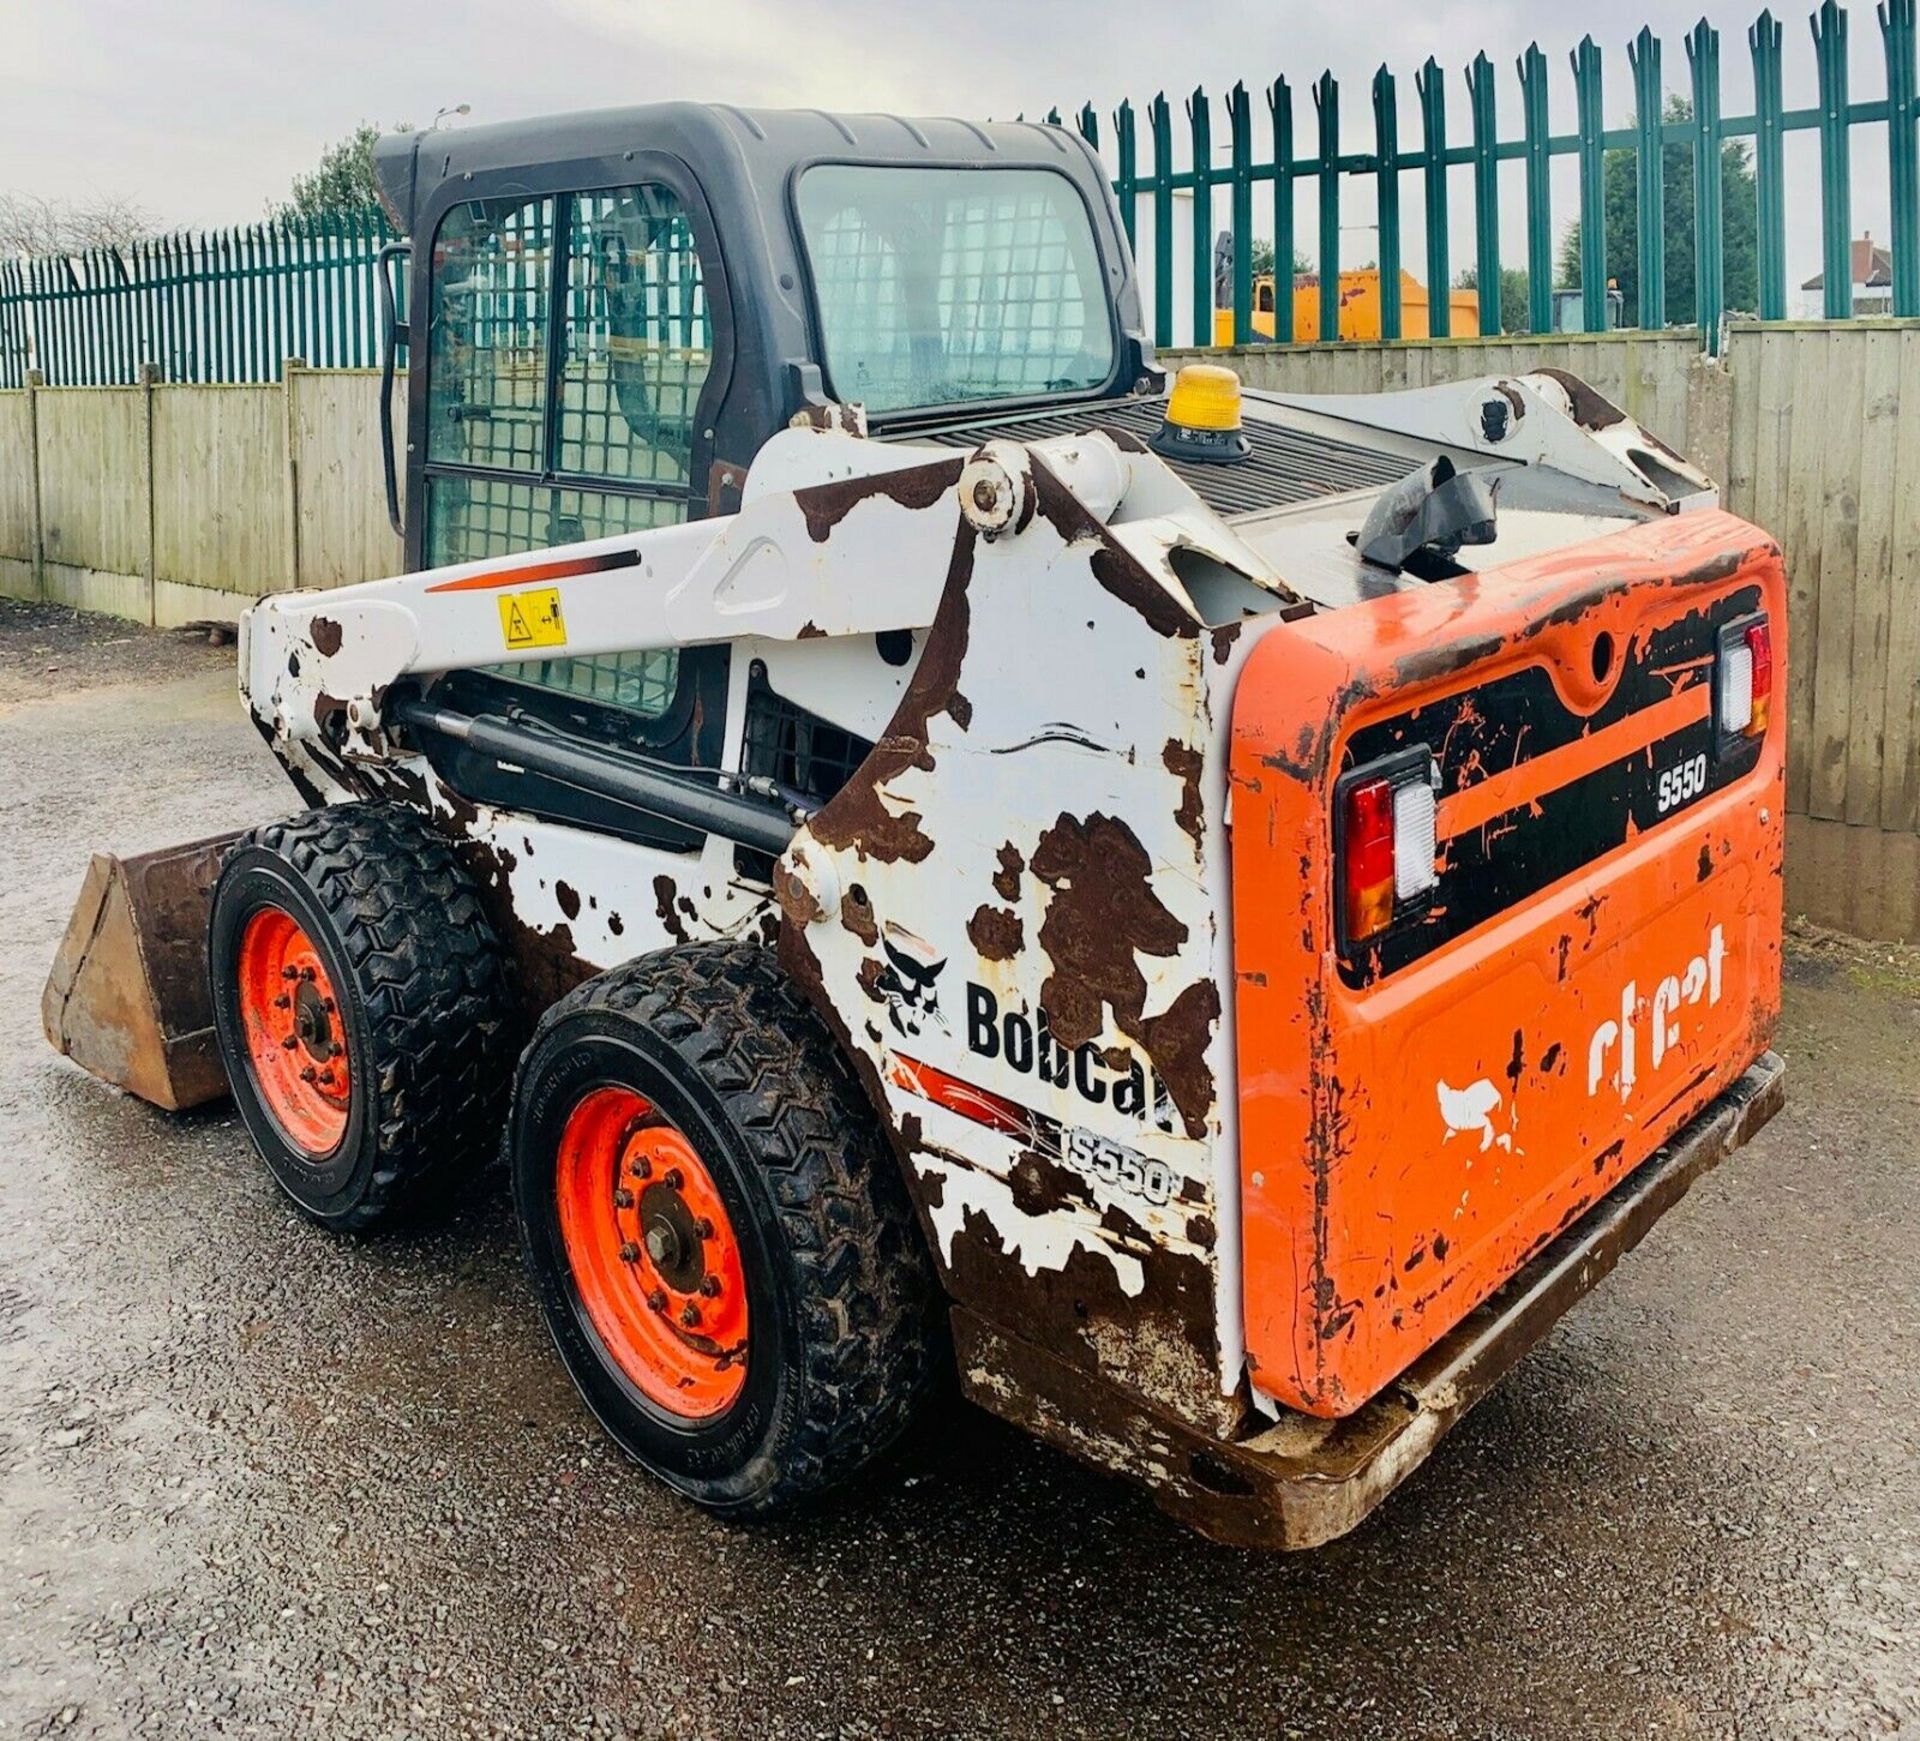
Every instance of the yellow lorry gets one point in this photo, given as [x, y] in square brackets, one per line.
[1359, 310]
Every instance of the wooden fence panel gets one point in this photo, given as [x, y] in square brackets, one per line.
[93, 496]
[16, 496]
[1900, 716]
[220, 489]
[341, 533]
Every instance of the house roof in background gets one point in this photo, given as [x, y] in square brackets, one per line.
[1872, 266]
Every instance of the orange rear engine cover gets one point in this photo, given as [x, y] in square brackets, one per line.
[1423, 1111]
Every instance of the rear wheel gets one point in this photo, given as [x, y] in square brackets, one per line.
[721, 1245]
[359, 1001]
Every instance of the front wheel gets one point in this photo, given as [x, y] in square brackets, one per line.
[360, 1004]
[721, 1245]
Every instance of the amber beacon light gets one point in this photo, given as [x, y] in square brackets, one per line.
[1203, 417]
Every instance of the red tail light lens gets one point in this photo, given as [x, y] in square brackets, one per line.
[1743, 680]
[1368, 848]
[1759, 638]
[1384, 841]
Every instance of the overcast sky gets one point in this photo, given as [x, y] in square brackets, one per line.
[203, 110]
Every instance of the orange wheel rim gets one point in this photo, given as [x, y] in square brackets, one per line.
[296, 1033]
[653, 1254]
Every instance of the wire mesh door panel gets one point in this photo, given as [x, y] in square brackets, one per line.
[487, 335]
[638, 342]
[634, 352]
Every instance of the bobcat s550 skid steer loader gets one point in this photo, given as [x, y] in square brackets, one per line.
[1217, 917]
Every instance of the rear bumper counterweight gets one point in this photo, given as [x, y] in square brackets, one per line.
[1303, 1481]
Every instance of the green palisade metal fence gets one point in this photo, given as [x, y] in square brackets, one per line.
[226, 305]
[1267, 188]
[233, 304]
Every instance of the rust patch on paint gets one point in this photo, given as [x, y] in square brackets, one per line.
[1223, 640]
[1176, 1041]
[856, 817]
[796, 900]
[1117, 571]
[856, 914]
[663, 897]
[1006, 880]
[324, 633]
[1158, 1343]
[824, 506]
[546, 964]
[1102, 915]
[1589, 410]
[997, 933]
[569, 898]
[1041, 1185]
[1184, 762]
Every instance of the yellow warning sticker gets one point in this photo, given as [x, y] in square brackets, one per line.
[532, 619]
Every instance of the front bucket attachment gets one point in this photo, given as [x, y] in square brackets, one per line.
[127, 997]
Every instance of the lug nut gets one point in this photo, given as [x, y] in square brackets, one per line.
[327, 1004]
[306, 973]
[289, 973]
[283, 1002]
[704, 1227]
[642, 1168]
[710, 1286]
[291, 1041]
[657, 1300]
[622, 1198]
[689, 1314]
[629, 1252]
[309, 1074]
[674, 1179]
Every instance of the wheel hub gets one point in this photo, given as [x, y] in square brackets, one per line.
[653, 1253]
[295, 1045]
[672, 1238]
[313, 1020]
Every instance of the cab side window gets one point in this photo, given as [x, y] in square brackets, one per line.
[569, 344]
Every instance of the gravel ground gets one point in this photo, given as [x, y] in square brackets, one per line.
[257, 1481]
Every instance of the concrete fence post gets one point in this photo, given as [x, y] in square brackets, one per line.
[149, 374]
[289, 390]
[35, 381]
[1710, 419]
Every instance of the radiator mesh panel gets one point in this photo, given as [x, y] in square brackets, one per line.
[1286, 466]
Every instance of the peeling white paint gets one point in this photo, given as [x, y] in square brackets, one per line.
[1037, 1242]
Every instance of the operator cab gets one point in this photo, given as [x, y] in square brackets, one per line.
[611, 313]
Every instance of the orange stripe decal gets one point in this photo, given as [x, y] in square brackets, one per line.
[1477, 805]
[533, 572]
[981, 1105]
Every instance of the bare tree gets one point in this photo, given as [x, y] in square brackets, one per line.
[34, 224]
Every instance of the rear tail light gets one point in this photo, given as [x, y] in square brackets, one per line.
[1369, 863]
[1760, 648]
[1386, 844]
[1743, 678]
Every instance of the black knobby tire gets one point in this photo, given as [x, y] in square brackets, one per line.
[424, 1009]
[844, 1332]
